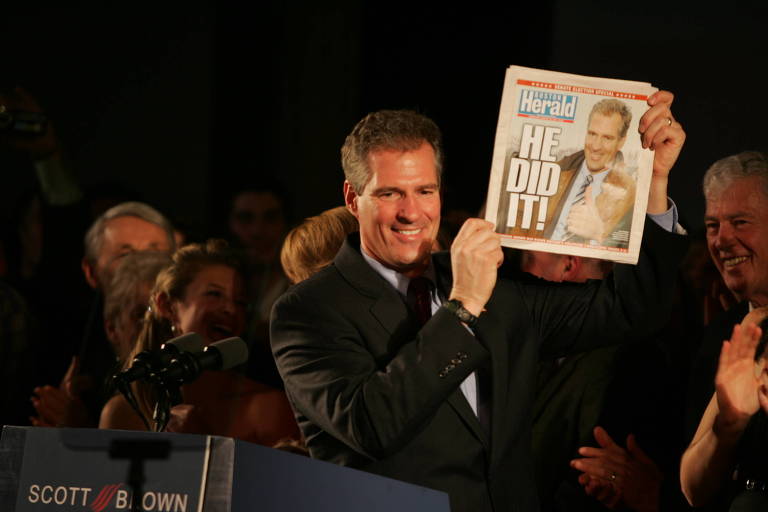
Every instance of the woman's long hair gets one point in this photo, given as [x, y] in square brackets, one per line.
[171, 286]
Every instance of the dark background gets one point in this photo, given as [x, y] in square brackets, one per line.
[182, 103]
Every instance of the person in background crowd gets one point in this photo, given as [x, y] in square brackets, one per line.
[127, 298]
[202, 291]
[258, 221]
[313, 244]
[736, 221]
[121, 230]
[725, 464]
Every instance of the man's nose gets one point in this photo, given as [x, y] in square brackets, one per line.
[725, 236]
[409, 209]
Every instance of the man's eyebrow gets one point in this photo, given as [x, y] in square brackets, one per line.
[740, 214]
[382, 190]
[730, 216]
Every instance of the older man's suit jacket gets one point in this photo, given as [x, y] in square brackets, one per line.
[373, 390]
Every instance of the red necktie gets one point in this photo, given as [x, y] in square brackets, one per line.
[420, 297]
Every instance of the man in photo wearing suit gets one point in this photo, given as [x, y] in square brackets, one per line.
[420, 367]
[595, 195]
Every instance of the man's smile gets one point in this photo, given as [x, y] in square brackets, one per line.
[407, 232]
[734, 260]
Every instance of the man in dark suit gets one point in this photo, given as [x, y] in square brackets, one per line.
[388, 376]
[736, 220]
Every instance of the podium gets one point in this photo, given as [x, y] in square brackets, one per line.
[63, 470]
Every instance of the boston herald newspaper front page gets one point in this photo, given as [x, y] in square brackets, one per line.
[569, 174]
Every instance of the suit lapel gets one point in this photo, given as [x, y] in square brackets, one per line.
[388, 308]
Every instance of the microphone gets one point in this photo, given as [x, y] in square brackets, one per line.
[187, 366]
[147, 362]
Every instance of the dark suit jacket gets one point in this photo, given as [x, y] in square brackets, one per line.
[373, 391]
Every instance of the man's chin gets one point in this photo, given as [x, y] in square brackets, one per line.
[413, 266]
[738, 287]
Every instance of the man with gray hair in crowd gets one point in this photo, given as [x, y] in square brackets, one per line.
[123, 229]
[736, 222]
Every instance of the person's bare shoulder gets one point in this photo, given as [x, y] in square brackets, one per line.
[118, 414]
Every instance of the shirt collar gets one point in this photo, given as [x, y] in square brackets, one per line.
[397, 280]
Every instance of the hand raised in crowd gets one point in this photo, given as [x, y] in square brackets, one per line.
[741, 385]
[617, 476]
[475, 257]
[61, 406]
[37, 147]
[660, 132]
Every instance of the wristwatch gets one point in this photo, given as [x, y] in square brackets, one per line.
[457, 308]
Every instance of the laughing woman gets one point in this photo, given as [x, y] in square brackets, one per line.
[202, 292]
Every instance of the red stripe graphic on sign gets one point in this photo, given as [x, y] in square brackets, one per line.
[583, 90]
[104, 497]
[97, 500]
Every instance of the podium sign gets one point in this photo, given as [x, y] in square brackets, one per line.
[89, 470]
[65, 470]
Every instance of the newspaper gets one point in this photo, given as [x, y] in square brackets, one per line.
[565, 179]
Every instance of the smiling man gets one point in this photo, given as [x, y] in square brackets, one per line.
[420, 367]
[736, 220]
[400, 208]
[600, 167]
[736, 190]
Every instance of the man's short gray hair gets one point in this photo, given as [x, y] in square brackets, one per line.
[400, 130]
[134, 270]
[94, 238]
[731, 168]
[611, 106]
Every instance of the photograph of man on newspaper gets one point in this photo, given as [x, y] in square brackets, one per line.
[595, 193]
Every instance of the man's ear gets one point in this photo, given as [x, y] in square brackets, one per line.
[572, 268]
[350, 198]
[89, 271]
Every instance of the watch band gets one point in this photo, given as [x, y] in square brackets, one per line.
[457, 308]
